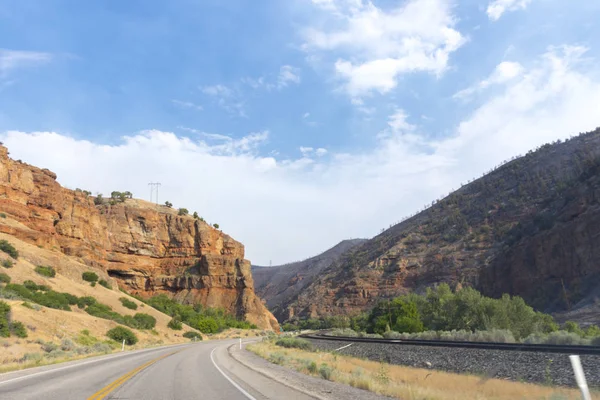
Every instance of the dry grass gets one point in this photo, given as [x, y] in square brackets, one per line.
[408, 383]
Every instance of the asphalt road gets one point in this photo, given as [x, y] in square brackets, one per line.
[196, 371]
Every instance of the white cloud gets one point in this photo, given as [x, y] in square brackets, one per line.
[288, 75]
[496, 8]
[227, 98]
[306, 150]
[268, 202]
[373, 47]
[306, 115]
[504, 72]
[187, 104]
[13, 59]
[320, 152]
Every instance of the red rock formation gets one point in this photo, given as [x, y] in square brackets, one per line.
[148, 248]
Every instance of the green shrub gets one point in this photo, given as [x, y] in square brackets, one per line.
[9, 249]
[207, 325]
[183, 211]
[312, 367]
[325, 371]
[4, 278]
[121, 333]
[18, 329]
[49, 347]
[82, 302]
[144, 321]
[50, 298]
[277, 358]
[67, 345]
[91, 277]
[592, 331]
[175, 324]
[192, 335]
[45, 271]
[8, 263]
[85, 339]
[2, 215]
[297, 343]
[128, 303]
[104, 282]
[4, 319]
[31, 285]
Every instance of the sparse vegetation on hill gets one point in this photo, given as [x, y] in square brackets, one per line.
[120, 333]
[183, 211]
[9, 249]
[128, 303]
[46, 271]
[7, 263]
[192, 335]
[91, 277]
[8, 326]
[206, 320]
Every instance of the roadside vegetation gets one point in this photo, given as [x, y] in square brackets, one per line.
[9, 249]
[206, 320]
[465, 314]
[8, 326]
[399, 381]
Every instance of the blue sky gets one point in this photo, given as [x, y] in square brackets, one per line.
[294, 124]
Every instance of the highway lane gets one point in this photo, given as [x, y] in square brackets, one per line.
[196, 371]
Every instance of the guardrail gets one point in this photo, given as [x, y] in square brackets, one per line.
[542, 348]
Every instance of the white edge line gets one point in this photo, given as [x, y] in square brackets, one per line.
[80, 364]
[238, 387]
[343, 347]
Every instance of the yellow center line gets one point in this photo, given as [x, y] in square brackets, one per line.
[102, 393]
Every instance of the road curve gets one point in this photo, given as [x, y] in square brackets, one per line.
[195, 371]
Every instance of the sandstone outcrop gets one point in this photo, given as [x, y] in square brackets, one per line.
[147, 248]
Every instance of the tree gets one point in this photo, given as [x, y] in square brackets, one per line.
[89, 276]
[128, 194]
[196, 216]
[216, 226]
[168, 204]
[121, 333]
[183, 211]
[99, 200]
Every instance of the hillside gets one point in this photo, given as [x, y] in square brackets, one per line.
[146, 249]
[529, 228]
[280, 285]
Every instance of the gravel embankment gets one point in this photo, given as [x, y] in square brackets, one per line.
[545, 368]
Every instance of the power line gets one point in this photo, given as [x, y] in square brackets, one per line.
[154, 186]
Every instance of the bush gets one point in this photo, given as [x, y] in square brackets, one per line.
[85, 339]
[192, 335]
[91, 277]
[121, 333]
[346, 332]
[325, 371]
[277, 358]
[128, 303]
[67, 345]
[8, 263]
[4, 319]
[4, 278]
[216, 226]
[45, 271]
[312, 367]
[31, 285]
[175, 324]
[144, 321]
[297, 343]
[9, 249]
[2, 215]
[183, 211]
[168, 204]
[207, 325]
[18, 329]
[84, 301]
[565, 338]
[105, 283]
[49, 347]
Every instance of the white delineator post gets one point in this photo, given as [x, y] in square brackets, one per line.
[580, 377]
[123, 347]
[240, 343]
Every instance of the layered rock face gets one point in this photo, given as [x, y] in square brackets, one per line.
[148, 248]
[529, 228]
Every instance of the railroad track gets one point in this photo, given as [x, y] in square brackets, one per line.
[540, 348]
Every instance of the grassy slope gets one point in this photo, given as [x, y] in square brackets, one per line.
[408, 383]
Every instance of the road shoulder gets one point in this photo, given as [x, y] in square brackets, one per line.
[315, 387]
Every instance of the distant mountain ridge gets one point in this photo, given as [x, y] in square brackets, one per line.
[280, 285]
[529, 228]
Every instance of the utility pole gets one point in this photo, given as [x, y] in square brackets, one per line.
[154, 186]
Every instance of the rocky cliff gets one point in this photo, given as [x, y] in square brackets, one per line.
[281, 285]
[147, 248]
[530, 227]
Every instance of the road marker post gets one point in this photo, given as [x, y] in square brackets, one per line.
[123, 346]
[580, 377]
[240, 343]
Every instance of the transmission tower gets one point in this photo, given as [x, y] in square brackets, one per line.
[154, 187]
